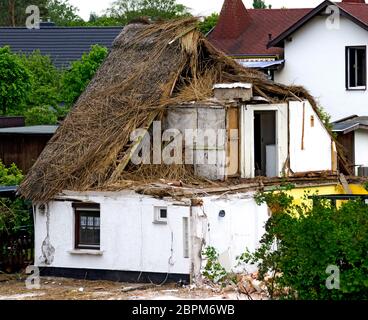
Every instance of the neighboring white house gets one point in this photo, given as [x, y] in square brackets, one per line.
[327, 55]
[326, 52]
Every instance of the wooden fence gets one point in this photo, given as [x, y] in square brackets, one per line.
[16, 251]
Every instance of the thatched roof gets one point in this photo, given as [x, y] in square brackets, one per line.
[149, 68]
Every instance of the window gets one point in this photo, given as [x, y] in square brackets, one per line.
[356, 68]
[87, 226]
[160, 215]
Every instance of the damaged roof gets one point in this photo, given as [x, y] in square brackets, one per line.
[150, 67]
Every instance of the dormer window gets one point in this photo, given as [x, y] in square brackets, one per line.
[356, 78]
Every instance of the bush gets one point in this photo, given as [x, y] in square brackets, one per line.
[14, 214]
[10, 176]
[298, 249]
[40, 116]
[213, 269]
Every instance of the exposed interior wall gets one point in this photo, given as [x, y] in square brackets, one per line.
[310, 143]
[361, 148]
[315, 59]
[130, 241]
[208, 154]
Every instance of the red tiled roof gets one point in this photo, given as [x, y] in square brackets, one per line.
[246, 32]
[260, 24]
[357, 10]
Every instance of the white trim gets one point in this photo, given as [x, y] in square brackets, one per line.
[86, 252]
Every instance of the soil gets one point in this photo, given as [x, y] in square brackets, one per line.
[13, 287]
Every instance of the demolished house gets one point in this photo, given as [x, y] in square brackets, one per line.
[109, 204]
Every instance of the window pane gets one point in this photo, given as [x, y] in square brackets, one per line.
[352, 68]
[361, 67]
[163, 213]
[89, 230]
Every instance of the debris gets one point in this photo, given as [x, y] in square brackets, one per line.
[140, 287]
[81, 289]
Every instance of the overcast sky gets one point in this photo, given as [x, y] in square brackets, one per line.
[199, 7]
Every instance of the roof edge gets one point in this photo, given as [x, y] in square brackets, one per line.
[277, 42]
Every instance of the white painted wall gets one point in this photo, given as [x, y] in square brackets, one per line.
[241, 228]
[315, 58]
[130, 241]
[317, 153]
[361, 148]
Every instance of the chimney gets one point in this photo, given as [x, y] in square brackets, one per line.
[234, 18]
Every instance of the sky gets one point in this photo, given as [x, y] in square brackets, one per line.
[198, 7]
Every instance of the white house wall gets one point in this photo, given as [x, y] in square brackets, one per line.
[241, 228]
[130, 241]
[315, 59]
[361, 148]
[317, 154]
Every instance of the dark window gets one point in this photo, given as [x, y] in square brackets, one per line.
[87, 226]
[163, 213]
[356, 68]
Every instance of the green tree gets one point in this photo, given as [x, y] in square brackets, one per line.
[75, 80]
[13, 12]
[45, 80]
[260, 4]
[126, 10]
[209, 23]
[15, 81]
[62, 13]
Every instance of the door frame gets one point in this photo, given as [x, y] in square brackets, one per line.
[247, 157]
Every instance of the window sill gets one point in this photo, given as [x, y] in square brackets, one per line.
[356, 89]
[86, 252]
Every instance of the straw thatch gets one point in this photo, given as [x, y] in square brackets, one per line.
[149, 68]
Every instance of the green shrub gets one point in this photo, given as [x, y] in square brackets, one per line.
[213, 269]
[14, 213]
[40, 116]
[299, 249]
[10, 176]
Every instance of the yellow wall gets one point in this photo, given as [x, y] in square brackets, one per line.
[298, 193]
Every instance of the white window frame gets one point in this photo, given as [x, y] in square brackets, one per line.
[157, 215]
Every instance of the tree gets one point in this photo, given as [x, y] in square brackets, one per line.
[75, 80]
[45, 80]
[127, 10]
[15, 81]
[62, 13]
[209, 23]
[260, 4]
[13, 12]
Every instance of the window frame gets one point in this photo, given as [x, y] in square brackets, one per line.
[347, 69]
[95, 210]
[157, 215]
